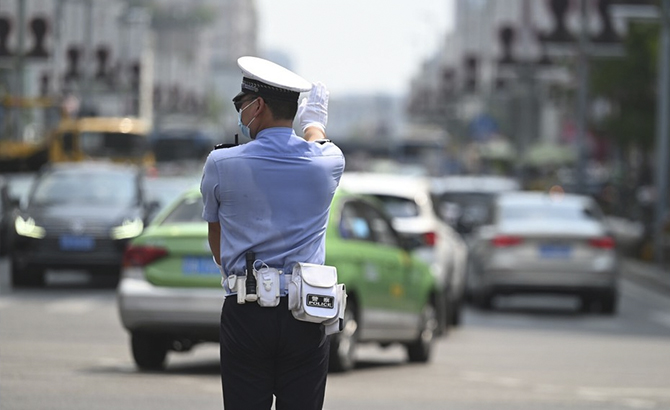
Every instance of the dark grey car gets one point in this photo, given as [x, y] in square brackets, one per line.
[78, 216]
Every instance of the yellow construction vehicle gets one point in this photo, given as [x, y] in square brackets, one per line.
[55, 136]
[25, 151]
[118, 139]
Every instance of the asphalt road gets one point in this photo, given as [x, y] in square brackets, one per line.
[62, 347]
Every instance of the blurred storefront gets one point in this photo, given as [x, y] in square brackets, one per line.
[516, 62]
[149, 58]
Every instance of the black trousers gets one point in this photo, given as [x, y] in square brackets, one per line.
[266, 352]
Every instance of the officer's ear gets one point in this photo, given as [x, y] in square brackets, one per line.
[261, 104]
[263, 107]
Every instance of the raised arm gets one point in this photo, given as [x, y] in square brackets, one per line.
[312, 113]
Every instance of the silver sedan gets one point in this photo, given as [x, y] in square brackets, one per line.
[545, 243]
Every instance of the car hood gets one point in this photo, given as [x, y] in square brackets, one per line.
[98, 215]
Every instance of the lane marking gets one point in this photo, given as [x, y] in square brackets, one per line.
[639, 403]
[71, 306]
[548, 389]
[660, 318]
[592, 394]
[635, 398]
[509, 382]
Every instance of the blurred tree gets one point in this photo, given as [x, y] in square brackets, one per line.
[628, 84]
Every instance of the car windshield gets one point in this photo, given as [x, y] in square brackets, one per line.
[113, 144]
[547, 211]
[474, 206]
[188, 210]
[86, 188]
[398, 207]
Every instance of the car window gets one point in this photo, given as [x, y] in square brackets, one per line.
[380, 226]
[353, 224]
[68, 142]
[90, 188]
[398, 207]
[474, 208]
[110, 144]
[188, 210]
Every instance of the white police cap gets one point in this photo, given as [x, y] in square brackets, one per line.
[271, 80]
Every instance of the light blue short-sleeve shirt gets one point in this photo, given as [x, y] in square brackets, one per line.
[271, 196]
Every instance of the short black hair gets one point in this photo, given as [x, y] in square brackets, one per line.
[281, 110]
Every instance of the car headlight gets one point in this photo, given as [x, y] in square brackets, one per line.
[130, 228]
[27, 227]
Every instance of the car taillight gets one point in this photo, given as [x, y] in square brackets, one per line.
[430, 238]
[142, 255]
[604, 242]
[502, 241]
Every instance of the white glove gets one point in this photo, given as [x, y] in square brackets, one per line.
[313, 110]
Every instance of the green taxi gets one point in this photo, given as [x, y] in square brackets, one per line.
[170, 293]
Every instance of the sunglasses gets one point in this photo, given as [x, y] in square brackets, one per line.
[242, 102]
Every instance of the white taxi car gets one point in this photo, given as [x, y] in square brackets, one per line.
[407, 199]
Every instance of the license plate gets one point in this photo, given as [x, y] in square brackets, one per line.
[76, 243]
[198, 265]
[555, 251]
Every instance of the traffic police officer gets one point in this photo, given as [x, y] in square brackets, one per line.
[271, 196]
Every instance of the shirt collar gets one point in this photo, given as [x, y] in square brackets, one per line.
[274, 133]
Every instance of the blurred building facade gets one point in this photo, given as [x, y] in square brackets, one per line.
[127, 57]
[507, 73]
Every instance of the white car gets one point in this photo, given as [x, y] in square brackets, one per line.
[407, 200]
[545, 243]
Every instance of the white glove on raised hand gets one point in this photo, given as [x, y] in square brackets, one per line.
[313, 110]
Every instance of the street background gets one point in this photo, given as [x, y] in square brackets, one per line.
[63, 347]
[555, 94]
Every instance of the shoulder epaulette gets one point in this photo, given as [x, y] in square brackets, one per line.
[237, 142]
[219, 146]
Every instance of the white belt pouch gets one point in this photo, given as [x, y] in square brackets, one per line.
[267, 286]
[315, 296]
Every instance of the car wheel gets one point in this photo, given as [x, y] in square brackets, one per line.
[472, 283]
[4, 247]
[26, 276]
[107, 277]
[343, 345]
[456, 313]
[443, 306]
[608, 303]
[149, 351]
[585, 303]
[419, 350]
[484, 300]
